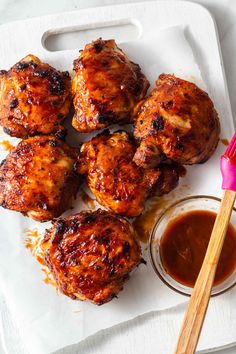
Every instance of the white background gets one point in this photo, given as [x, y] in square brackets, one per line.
[122, 339]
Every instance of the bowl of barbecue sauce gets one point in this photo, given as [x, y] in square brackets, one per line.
[179, 241]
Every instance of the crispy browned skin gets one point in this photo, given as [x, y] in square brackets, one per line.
[115, 180]
[91, 254]
[178, 120]
[34, 98]
[106, 86]
[38, 178]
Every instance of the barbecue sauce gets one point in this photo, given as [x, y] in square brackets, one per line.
[184, 243]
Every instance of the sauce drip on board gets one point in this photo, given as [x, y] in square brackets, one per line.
[144, 223]
[225, 142]
[32, 241]
[88, 201]
[6, 145]
[184, 243]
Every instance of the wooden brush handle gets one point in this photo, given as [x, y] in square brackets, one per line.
[199, 300]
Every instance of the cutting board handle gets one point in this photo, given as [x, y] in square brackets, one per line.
[73, 37]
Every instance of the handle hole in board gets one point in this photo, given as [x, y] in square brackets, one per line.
[77, 36]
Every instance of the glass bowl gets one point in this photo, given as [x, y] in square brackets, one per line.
[200, 202]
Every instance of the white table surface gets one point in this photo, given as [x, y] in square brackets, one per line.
[130, 338]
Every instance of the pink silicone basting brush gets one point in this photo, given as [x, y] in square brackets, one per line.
[199, 300]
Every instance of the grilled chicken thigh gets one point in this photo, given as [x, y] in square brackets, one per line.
[38, 178]
[106, 86]
[91, 254]
[34, 98]
[115, 180]
[177, 121]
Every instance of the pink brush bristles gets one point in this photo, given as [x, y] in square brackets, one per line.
[231, 149]
[228, 166]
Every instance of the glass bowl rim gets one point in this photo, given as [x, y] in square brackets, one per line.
[151, 239]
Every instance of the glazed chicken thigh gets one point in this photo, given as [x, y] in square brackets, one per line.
[177, 121]
[106, 86]
[38, 178]
[115, 180]
[91, 254]
[34, 98]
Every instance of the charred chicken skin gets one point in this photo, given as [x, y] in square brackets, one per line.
[38, 178]
[177, 121]
[91, 254]
[116, 181]
[106, 86]
[34, 98]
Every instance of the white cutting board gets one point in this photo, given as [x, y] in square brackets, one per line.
[129, 23]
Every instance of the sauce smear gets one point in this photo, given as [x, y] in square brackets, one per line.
[88, 200]
[184, 243]
[225, 142]
[32, 241]
[144, 223]
[6, 145]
